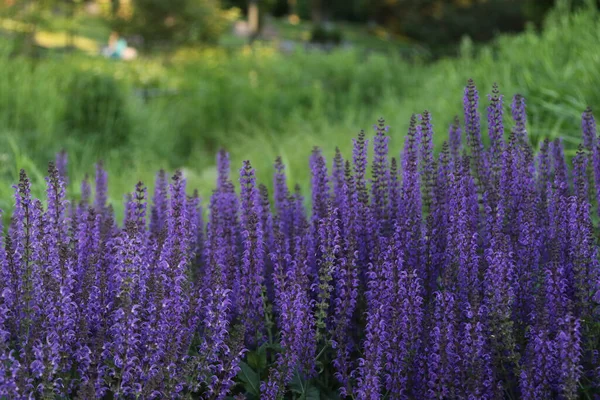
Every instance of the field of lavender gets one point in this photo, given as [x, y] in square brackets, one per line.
[469, 274]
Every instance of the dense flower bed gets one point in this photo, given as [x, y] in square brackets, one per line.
[471, 274]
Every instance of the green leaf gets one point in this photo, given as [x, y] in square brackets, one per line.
[312, 393]
[329, 394]
[257, 359]
[250, 379]
[304, 389]
[296, 385]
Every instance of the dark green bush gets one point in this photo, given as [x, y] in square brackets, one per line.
[97, 109]
[322, 34]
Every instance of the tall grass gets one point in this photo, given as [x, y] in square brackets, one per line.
[260, 103]
[206, 99]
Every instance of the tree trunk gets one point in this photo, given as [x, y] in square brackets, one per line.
[253, 18]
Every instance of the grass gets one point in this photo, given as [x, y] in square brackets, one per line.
[259, 103]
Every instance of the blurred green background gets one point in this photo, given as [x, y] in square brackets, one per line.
[264, 78]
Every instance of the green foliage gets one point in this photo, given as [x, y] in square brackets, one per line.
[323, 34]
[25, 92]
[438, 23]
[250, 379]
[260, 92]
[304, 390]
[259, 103]
[257, 366]
[97, 106]
[175, 21]
[37, 13]
[28, 10]
[446, 24]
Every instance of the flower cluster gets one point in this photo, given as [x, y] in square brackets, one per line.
[469, 274]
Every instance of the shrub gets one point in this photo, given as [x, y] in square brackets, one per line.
[472, 273]
[97, 107]
[325, 35]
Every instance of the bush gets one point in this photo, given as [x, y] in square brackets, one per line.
[97, 106]
[441, 24]
[325, 35]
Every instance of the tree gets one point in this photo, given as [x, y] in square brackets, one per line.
[175, 21]
[253, 18]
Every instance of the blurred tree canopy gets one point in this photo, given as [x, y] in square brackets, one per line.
[440, 23]
[437, 23]
[174, 21]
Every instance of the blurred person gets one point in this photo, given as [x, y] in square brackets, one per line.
[117, 48]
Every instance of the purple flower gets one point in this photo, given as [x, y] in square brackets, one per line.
[462, 269]
[224, 229]
[409, 227]
[588, 127]
[520, 117]
[359, 207]
[370, 366]
[441, 351]
[61, 161]
[427, 166]
[251, 272]
[455, 139]
[380, 180]
[568, 347]
[477, 379]
[158, 212]
[499, 296]
[473, 134]
[294, 313]
[338, 178]
[406, 317]
[495, 127]
[320, 186]
[282, 199]
[101, 189]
